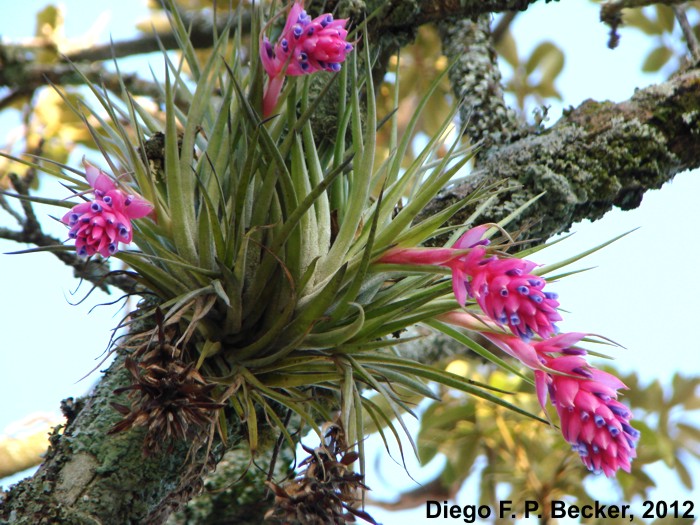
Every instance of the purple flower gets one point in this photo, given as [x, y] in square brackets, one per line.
[304, 46]
[98, 226]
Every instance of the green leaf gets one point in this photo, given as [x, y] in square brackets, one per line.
[683, 474]
[158, 280]
[544, 270]
[451, 380]
[683, 389]
[666, 17]
[336, 337]
[548, 58]
[209, 349]
[180, 185]
[657, 59]
[476, 348]
[56, 248]
[637, 18]
[364, 148]
[39, 200]
[689, 433]
[546, 89]
[508, 49]
[388, 397]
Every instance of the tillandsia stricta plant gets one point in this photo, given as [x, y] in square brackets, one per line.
[278, 282]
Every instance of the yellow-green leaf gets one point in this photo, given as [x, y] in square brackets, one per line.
[508, 49]
[666, 17]
[548, 58]
[637, 18]
[657, 59]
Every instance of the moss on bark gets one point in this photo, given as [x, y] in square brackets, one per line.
[597, 156]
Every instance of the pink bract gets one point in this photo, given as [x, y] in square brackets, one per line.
[505, 289]
[98, 226]
[591, 418]
[510, 295]
[304, 46]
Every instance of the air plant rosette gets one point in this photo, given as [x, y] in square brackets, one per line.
[282, 281]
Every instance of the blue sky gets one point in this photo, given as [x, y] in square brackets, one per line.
[641, 294]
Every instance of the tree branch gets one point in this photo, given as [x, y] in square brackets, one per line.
[399, 17]
[688, 33]
[597, 156]
[476, 81]
[431, 11]
[200, 24]
[611, 14]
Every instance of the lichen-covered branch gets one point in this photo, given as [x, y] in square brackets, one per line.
[431, 11]
[476, 81]
[611, 14]
[597, 156]
[91, 477]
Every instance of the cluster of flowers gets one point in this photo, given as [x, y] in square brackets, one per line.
[592, 420]
[304, 46]
[99, 225]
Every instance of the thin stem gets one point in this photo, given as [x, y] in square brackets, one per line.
[688, 33]
[611, 14]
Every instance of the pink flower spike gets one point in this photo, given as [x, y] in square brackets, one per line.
[562, 343]
[592, 420]
[98, 226]
[515, 347]
[419, 256]
[510, 295]
[304, 47]
[470, 321]
[541, 387]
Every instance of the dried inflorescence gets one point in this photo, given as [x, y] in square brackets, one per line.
[327, 491]
[169, 398]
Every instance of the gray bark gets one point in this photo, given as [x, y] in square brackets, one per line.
[597, 156]
[88, 477]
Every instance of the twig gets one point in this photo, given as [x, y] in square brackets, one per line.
[29, 223]
[611, 14]
[9, 209]
[690, 38]
[503, 25]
